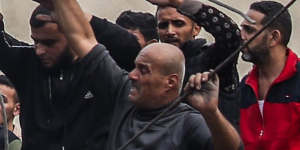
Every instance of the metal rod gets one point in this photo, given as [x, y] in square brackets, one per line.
[5, 128]
[229, 58]
[234, 10]
[159, 116]
[218, 68]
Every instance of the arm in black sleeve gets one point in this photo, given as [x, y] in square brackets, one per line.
[223, 29]
[227, 38]
[13, 53]
[123, 46]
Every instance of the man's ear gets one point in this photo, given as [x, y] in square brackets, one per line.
[17, 109]
[172, 81]
[151, 41]
[276, 38]
[196, 30]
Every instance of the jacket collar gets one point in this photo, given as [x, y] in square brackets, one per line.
[192, 47]
[288, 71]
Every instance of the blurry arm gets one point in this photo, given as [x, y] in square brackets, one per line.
[123, 46]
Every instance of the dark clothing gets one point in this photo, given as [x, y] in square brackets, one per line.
[181, 128]
[201, 57]
[11, 137]
[112, 37]
[278, 127]
[60, 108]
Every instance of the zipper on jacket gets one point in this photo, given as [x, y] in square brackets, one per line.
[50, 89]
[61, 76]
[261, 132]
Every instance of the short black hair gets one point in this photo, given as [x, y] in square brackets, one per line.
[39, 10]
[283, 23]
[6, 82]
[145, 22]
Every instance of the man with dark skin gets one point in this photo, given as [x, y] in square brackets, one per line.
[182, 31]
[58, 107]
[180, 21]
[153, 84]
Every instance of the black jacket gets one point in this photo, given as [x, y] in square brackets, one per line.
[202, 57]
[61, 108]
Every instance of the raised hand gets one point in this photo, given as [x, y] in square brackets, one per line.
[174, 3]
[205, 93]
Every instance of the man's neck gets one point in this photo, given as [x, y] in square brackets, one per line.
[274, 65]
[270, 70]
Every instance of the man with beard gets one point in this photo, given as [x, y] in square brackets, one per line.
[61, 109]
[180, 27]
[270, 92]
[153, 84]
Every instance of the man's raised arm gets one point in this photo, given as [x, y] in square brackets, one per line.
[75, 26]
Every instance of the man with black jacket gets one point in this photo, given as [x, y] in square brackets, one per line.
[59, 108]
[154, 83]
[180, 21]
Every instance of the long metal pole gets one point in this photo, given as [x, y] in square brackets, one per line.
[218, 68]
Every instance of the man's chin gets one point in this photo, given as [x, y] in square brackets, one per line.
[177, 44]
[48, 66]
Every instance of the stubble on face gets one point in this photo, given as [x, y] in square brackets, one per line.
[257, 54]
[173, 27]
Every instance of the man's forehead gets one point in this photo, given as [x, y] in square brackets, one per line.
[169, 12]
[6, 89]
[255, 15]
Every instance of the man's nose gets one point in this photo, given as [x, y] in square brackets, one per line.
[40, 49]
[171, 29]
[133, 75]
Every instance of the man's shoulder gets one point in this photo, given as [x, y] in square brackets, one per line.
[15, 144]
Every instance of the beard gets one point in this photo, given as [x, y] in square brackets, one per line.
[65, 60]
[257, 54]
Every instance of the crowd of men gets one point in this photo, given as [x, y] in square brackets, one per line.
[90, 84]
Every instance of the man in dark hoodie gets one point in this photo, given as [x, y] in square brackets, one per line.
[152, 85]
[59, 108]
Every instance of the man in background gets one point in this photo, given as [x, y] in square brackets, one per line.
[12, 108]
[270, 95]
[142, 25]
